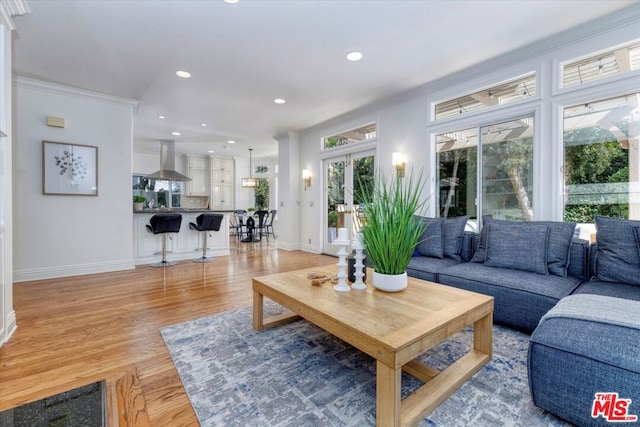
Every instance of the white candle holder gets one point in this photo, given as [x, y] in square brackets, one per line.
[342, 243]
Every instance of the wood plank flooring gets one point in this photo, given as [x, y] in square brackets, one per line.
[78, 330]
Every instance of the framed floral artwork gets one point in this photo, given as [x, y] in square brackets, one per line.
[69, 169]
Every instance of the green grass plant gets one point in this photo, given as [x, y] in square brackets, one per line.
[390, 228]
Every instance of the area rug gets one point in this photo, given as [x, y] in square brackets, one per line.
[300, 375]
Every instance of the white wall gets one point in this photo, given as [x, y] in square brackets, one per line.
[404, 124]
[58, 236]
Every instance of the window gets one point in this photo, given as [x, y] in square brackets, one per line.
[601, 162]
[615, 61]
[505, 174]
[262, 194]
[496, 95]
[361, 134]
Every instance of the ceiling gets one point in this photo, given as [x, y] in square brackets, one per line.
[242, 56]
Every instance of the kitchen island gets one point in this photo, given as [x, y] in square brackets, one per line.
[184, 245]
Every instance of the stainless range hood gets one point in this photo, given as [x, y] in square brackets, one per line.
[168, 164]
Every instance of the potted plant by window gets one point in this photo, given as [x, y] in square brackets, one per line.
[390, 228]
[138, 202]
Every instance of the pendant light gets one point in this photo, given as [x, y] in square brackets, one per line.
[249, 182]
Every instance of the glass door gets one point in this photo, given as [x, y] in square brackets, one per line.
[343, 177]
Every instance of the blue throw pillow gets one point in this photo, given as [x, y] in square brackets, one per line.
[431, 241]
[617, 258]
[509, 245]
[481, 251]
[452, 232]
[558, 249]
[560, 236]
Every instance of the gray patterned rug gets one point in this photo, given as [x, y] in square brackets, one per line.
[299, 375]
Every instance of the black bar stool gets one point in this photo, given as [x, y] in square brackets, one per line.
[206, 222]
[164, 224]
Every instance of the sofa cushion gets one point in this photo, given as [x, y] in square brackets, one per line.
[560, 237]
[584, 315]
[427, 268]
[617, 258]
[509, 245]
[430, 244]
[570, 360]
[452, 231]
[610, 289]
[521, 297]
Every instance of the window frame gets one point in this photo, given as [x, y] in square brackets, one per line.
[323, 147]
[489, 118]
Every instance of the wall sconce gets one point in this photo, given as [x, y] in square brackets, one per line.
[306, 175]
[398, 161]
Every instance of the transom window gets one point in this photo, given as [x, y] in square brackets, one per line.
[486, 98]
[615, 61]
[361, 134]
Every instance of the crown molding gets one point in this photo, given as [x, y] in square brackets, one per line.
[11, 8]
[58, 89]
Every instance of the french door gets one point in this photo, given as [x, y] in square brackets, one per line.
[344, 176]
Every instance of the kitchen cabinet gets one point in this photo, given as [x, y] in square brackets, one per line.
[221, 196]
[222, 183]
[198, 171]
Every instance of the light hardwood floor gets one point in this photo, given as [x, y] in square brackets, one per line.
[78, 330]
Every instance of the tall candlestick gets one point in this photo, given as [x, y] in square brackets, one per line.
[342, 241]
[342, 267]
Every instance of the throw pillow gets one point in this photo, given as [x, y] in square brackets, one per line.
[509, 245]
[560, 236]
[617, 259]
[481, 251]
[559, 245]
[452, 231]
[431, 241]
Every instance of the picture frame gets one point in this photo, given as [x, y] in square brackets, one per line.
[69, 169]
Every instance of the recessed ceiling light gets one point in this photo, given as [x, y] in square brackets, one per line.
[210, 151]
[183, 74]
[203, 125]
[231, 142]
[231, 1]
[161, 117]
[354, 56]
[279, 101]
[175, 133]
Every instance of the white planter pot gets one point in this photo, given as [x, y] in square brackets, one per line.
[138, 206]
[389, 282]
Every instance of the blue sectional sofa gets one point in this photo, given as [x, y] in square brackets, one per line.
[590, 341]
[526, 266]
[581, 303]
[443, 244]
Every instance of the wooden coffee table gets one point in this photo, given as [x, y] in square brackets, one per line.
[393, 328]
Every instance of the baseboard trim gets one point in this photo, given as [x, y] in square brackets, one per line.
[71, 270]
[9, 329]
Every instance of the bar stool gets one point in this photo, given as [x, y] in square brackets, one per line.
[164, 224]
[206, 222]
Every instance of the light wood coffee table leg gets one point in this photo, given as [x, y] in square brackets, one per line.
[388, 386]
[260, 323]
[258, 311]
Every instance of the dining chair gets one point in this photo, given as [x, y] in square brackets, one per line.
[269, 226]
[238, 223]
[262, 221]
